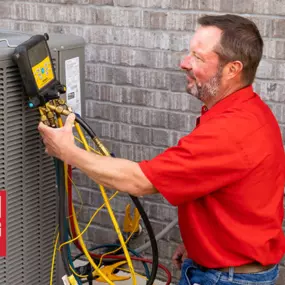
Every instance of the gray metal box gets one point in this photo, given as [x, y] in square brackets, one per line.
[26, 173]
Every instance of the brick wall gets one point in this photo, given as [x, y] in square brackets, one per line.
[135, 93]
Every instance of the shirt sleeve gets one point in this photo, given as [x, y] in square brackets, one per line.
[204, 161]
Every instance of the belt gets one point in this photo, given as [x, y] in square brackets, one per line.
[254, 267]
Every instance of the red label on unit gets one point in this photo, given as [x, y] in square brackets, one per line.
[3, 224]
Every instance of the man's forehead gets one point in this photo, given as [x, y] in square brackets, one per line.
[205, 38]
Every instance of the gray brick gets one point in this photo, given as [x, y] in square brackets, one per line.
[175, 136]
[279, 28]
[161, 100]
[271, 91]
[280, 69]
[102, 129]
[122, 149]
[127, 37]
[156, 198]
[276, 7]
[138, 38]
[99, 235]
[274, 49]
[282, 128]
[184, 102]
[126, 76]
[134, 134]
[180, 41]
[80, 179]
[150, 79]
[103, 219]
[83, 213]
[156, 151]
[225, 5]
[160, 137]
[164, 213]
[102, 16]
[269, 49]
[243, 6]
[205, 5]
[133, 57]
[264, 7]
[5, 10]
[127, 18]
[181, 122]
[140, 135]
[141, 97]
[181, 4]
[137, 96]
[140, 116]
[178, 82]
[280, 49]
[277, 110]
[96, 92]
[164, 249]
[96, 199]
[182, 21]
[142, 152]
[159, 119]
[143, 3]
[80, 2]
[157, 20]
[99, 73]
[81, 196]
[174, 235]
[121, 76]
[266, 69]
[176, 4]
[99, 2]
[265, 25]
[283, 261]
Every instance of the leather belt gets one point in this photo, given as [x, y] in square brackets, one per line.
[254, 267]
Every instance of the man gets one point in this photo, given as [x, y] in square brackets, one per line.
[226, 177]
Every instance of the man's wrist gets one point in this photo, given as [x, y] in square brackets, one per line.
[70, 154]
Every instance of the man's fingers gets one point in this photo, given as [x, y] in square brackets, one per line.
[70, 121]
[42, 126]
[177, 263]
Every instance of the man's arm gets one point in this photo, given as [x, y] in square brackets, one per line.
[115, 173]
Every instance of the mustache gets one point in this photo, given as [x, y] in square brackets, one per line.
[191, 74]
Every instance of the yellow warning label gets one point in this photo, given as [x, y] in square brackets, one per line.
[43, 72]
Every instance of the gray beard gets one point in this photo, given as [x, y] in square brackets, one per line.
[208, 89]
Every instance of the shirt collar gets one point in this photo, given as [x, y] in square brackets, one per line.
[237, 97]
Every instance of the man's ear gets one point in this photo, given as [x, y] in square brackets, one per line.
[233, 69]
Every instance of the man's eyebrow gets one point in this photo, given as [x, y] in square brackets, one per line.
[197, 54]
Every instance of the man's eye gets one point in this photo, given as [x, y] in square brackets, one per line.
[196, 56]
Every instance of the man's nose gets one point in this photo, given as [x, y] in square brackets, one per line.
[186, 63]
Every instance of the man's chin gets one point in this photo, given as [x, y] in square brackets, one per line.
[193, 93]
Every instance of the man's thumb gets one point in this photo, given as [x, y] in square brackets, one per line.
[70, 120]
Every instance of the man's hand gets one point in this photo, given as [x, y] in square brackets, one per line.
[58, 141]
[179, 255]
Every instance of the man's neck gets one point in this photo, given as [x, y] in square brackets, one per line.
[211, 101]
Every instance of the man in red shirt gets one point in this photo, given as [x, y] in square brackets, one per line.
[226, 177]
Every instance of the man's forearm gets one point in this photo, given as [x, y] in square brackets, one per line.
[115, 173]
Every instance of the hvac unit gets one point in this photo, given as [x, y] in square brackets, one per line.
[26, 173]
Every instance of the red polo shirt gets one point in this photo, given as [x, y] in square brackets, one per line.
[227, 179]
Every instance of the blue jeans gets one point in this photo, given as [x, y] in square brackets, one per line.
[192, 273]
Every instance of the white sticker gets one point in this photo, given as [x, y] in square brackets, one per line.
[65, 280]
[72, 79]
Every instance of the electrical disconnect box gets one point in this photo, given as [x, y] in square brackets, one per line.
[27, 174]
